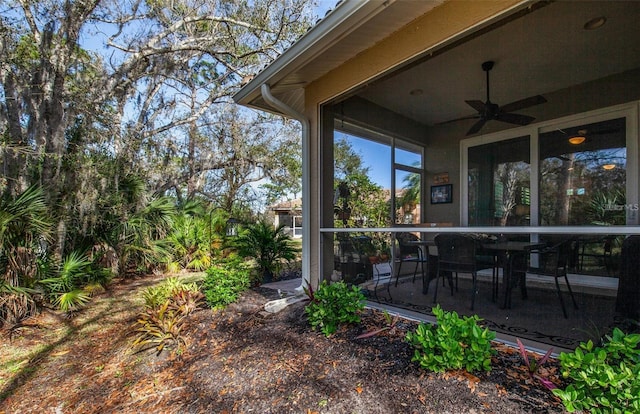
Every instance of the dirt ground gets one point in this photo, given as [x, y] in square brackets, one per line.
[242, 360]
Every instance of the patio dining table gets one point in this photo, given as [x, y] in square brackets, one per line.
[507, 251]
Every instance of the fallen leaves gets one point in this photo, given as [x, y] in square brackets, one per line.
[463, 376]
[237, 362]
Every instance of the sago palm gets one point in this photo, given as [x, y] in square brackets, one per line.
[268, 245]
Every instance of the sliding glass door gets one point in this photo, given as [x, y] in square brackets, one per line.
[583, 175]
[499, 176]
[570, 173]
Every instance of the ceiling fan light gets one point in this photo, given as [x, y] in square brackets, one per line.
[609, 167]
[577, 139]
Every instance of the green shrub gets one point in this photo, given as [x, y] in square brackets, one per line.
[156, 296]
[334, 304]
[70, 284]
[454, 343]
[604, 379]
[224, 282]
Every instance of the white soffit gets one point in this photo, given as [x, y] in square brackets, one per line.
[352, 27]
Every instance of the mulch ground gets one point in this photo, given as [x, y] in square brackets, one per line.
[243, 360]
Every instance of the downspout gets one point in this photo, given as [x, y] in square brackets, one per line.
[306, 180]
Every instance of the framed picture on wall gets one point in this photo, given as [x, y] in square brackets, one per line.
[441, 194]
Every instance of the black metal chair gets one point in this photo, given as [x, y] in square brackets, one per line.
[553, 261]
[598, 248]
[408, 252]
[457, 253]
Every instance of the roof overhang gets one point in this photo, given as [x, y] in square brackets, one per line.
[352, 27]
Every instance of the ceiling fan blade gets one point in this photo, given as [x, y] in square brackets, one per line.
[458, 119]
[477, 105]
[517, 119]
[477, 127]
[523, 103]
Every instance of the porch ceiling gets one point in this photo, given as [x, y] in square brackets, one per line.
[541, 52]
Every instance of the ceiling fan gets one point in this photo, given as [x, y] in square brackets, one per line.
[488, 111]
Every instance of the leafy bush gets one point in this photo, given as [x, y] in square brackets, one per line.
[224, 282]
[155, 296]
[453, 343]
[334, 304]
[605, 379]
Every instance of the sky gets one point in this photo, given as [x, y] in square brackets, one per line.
[322, 6]
[376, 157]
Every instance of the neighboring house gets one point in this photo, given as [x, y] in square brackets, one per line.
[559, 155]
[289, 214]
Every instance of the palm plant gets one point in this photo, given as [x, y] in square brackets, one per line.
[189, 237]
[131, 224]
[71, 283]
[141, 239]
[268, 245]
[65, 288]
[24, 225]
[16, 303]
[601, 209]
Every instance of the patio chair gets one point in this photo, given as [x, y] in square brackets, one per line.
[457, 253]
[408, 252]
[553, 261]
[598, 248]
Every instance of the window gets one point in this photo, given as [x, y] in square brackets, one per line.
[374, 177]
[361, 181]
[581, 174]
[408, 183]
[407, 197]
